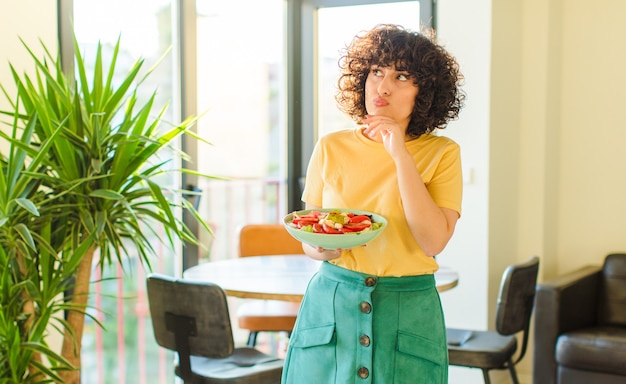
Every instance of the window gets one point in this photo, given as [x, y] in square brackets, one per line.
[262, 73]
[312, 78]
[336, 28]
[240, 65]
[126, 350]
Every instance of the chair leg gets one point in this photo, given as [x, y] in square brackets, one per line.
[486, 376]
[513, 372]
[252, 339]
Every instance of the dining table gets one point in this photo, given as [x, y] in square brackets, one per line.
[276, 277]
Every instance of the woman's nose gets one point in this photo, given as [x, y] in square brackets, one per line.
[384, 87]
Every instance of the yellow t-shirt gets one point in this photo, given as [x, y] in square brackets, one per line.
[349, 171]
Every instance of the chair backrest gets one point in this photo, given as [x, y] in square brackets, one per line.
[192, 313]
[517, 299]
[612, 303]
[267, 239]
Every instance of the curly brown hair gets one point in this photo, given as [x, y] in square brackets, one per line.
[432, 68]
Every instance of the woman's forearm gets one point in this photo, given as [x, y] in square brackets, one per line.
[430, 225]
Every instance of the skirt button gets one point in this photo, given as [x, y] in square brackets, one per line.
[364, 340]
[366, 307]
[370, 281]
[363, 373]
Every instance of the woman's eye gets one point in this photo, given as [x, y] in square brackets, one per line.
[403, 77]
[377, 72]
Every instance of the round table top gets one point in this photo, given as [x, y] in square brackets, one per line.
[276, 277]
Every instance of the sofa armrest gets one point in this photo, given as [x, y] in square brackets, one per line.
[562, 304]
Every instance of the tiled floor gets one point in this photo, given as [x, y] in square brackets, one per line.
[461, 375]
[502, 377]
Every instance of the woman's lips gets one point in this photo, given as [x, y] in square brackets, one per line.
[380, 102]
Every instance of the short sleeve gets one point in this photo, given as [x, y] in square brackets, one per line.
[446, 185]
[314, 183]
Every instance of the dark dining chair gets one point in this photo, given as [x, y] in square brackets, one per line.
[496, 349]
[256, 315]
[192, 319]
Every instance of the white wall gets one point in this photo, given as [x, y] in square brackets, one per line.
[547, 162]
[30, 20]
[467, 251]
[464, 28]
[592, 156]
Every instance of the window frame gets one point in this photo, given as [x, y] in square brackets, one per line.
[301, 99]
[301, 77]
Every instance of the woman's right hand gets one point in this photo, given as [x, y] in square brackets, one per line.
[319, 253]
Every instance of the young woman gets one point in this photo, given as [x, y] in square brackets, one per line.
[372, 314]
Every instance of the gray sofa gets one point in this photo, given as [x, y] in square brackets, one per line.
[580, 326]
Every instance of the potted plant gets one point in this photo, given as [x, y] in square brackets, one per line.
[30, 284]
[100, 176]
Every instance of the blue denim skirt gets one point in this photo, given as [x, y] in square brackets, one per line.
[357, 328]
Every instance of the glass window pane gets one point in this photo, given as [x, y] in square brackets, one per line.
[126, 351]
[241, 76]
[336, 28]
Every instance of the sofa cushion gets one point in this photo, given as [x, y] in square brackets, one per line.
[600, 349]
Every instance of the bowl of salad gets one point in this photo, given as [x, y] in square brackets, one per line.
[333, 228]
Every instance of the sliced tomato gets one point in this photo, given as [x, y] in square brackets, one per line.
[359, 218]
[317, 228]
[329, 229]
[306, 219]
[355, 227]
[302, 224]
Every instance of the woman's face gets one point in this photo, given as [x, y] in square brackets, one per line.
[390, 93]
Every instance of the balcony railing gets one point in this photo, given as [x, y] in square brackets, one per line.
[125, 350]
